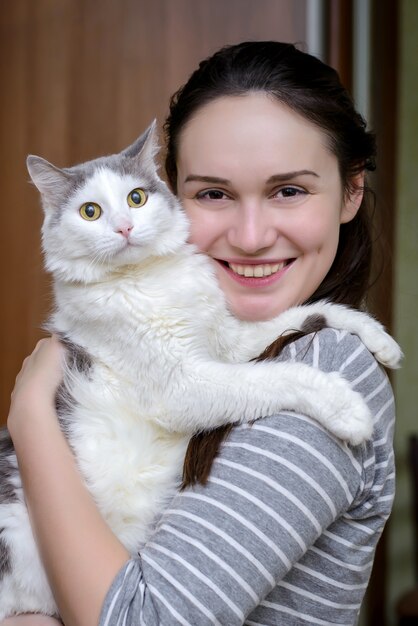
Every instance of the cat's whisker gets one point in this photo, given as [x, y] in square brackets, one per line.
[100, 258]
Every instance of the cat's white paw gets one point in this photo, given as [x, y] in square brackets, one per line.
[350, 418]
[385, 349]
[371, 332]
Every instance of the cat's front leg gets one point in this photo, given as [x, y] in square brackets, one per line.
[249, 339]
[210, 394]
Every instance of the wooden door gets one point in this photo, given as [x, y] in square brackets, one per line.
[80, 78]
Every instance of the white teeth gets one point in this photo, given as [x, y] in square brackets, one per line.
[256, 271]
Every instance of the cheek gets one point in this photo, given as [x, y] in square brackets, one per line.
[317, 234]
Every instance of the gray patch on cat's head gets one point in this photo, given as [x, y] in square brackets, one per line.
[5, 564]
[58, 185]
[8, 468]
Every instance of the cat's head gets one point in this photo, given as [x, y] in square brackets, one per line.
[107, 213]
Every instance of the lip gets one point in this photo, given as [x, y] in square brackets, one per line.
[249, 281]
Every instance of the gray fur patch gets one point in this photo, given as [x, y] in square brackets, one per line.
[64, 403]
[314, 323]
[77, 358]
[8, 468]
[80, 361]
[137, 161]
[116, 163]
[5, 565]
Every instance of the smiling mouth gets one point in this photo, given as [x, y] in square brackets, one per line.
[256, 271]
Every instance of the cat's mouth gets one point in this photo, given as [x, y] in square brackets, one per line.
[255, 270]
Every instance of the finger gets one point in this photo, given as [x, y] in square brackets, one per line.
[42, 343]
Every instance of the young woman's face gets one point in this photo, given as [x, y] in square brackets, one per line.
[265, 200]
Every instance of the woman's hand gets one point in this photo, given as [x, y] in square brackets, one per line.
[33, 396]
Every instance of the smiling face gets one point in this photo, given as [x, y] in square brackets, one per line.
[264, 195]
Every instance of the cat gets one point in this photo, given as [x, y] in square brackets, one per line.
[153, 355]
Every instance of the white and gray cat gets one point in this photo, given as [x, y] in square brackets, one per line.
[154, 355]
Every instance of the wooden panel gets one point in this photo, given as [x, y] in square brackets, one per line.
[81, 78]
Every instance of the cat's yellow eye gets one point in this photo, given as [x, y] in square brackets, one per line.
[137, 198]
[90, 211]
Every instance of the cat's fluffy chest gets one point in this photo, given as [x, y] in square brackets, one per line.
[139, 327]
[131, 465]
[173, 302]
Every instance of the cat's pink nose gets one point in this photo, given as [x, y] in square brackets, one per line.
[125, 230]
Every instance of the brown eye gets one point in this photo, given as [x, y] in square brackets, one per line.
[90, 211]
[137, 198]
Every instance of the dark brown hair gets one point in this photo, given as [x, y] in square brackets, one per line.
[313, 90]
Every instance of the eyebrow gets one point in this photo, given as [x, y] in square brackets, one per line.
[206, 179]
[276, 178]
[280, 178]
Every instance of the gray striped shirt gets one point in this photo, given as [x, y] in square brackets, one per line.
[285, 530]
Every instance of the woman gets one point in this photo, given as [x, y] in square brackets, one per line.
[269, 159]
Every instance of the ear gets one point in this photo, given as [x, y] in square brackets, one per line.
[52, 182]
[146, 146]
[352, 198]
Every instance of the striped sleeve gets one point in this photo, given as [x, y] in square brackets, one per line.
[285, 530]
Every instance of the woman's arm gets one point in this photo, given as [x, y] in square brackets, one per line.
[80, 553]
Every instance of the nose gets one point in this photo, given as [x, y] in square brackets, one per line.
[125, 229]
[252, 230]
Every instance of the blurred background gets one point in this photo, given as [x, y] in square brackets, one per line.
[82, 78]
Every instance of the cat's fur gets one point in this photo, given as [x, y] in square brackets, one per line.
[154, 356]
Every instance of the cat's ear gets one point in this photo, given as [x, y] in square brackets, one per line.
[52, 182]
[146, 146]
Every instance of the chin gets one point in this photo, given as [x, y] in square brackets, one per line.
[255, 311]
